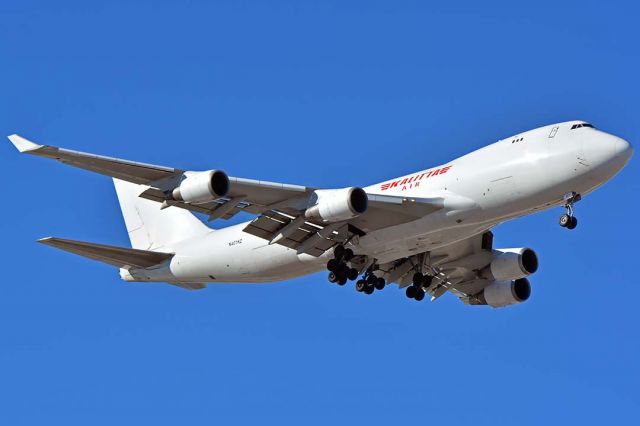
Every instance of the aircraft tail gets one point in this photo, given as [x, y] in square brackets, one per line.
[152, 228]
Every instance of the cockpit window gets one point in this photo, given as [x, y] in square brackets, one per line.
[577, 126]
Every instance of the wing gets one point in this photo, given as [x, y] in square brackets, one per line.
[131, 171]
[244, 194]
[280, 207]
[455, 267]
[290, 228]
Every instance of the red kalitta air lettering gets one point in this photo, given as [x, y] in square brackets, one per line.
[414, 181]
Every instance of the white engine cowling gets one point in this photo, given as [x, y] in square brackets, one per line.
[335, 205]
[513, 263]
[201, 187]
[504, 293]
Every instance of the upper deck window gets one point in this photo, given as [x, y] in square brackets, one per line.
[577, 126]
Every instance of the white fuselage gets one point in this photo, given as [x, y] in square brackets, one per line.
[515, 176]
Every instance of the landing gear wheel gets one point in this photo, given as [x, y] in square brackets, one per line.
[371, 280]
[565, 220]
[352, 274]
[333, 277]
[411, 292]
[379, 284]
[573, 223]
[342, 270]
[360, 285]
[338, 252]
[426, 282]
[419, 294]
[342, 281]
[368, 289]
[347, 255]
[417, 279]
[333, 265]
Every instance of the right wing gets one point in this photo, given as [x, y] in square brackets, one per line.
[454, 267]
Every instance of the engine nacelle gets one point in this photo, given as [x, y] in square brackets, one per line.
[504, 293]
[201, 187]
[335, 205]
[512, 264]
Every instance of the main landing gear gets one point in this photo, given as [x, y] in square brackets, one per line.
[417, 289]
[340, 272]
[369, 283]
[568, 220]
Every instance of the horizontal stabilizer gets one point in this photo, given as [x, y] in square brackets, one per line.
[116, 256]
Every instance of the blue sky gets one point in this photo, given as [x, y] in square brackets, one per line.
[328, 94]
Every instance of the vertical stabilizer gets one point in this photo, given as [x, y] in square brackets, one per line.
[151, 228]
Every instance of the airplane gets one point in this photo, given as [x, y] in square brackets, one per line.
[429, 232]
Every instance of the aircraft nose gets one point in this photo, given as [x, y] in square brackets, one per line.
[623, 149]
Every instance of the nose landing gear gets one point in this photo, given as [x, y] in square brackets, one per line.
[568, 220]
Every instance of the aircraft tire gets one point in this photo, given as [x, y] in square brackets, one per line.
[426, 282]
[417, 279]
[411, 292]
[347, 255]
[333, 265]
[352, 274]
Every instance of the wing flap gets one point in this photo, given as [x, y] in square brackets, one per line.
[305, 237]
[120, 257]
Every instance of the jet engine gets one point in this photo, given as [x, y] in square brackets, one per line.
[335, 205]
[504, 293]
[201, 187]
[511, 264]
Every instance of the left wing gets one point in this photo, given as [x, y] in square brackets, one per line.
[280, 207]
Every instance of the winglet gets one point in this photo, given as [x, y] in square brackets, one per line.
[22, 144]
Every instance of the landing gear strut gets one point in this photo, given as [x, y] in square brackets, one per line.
[568, 220]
